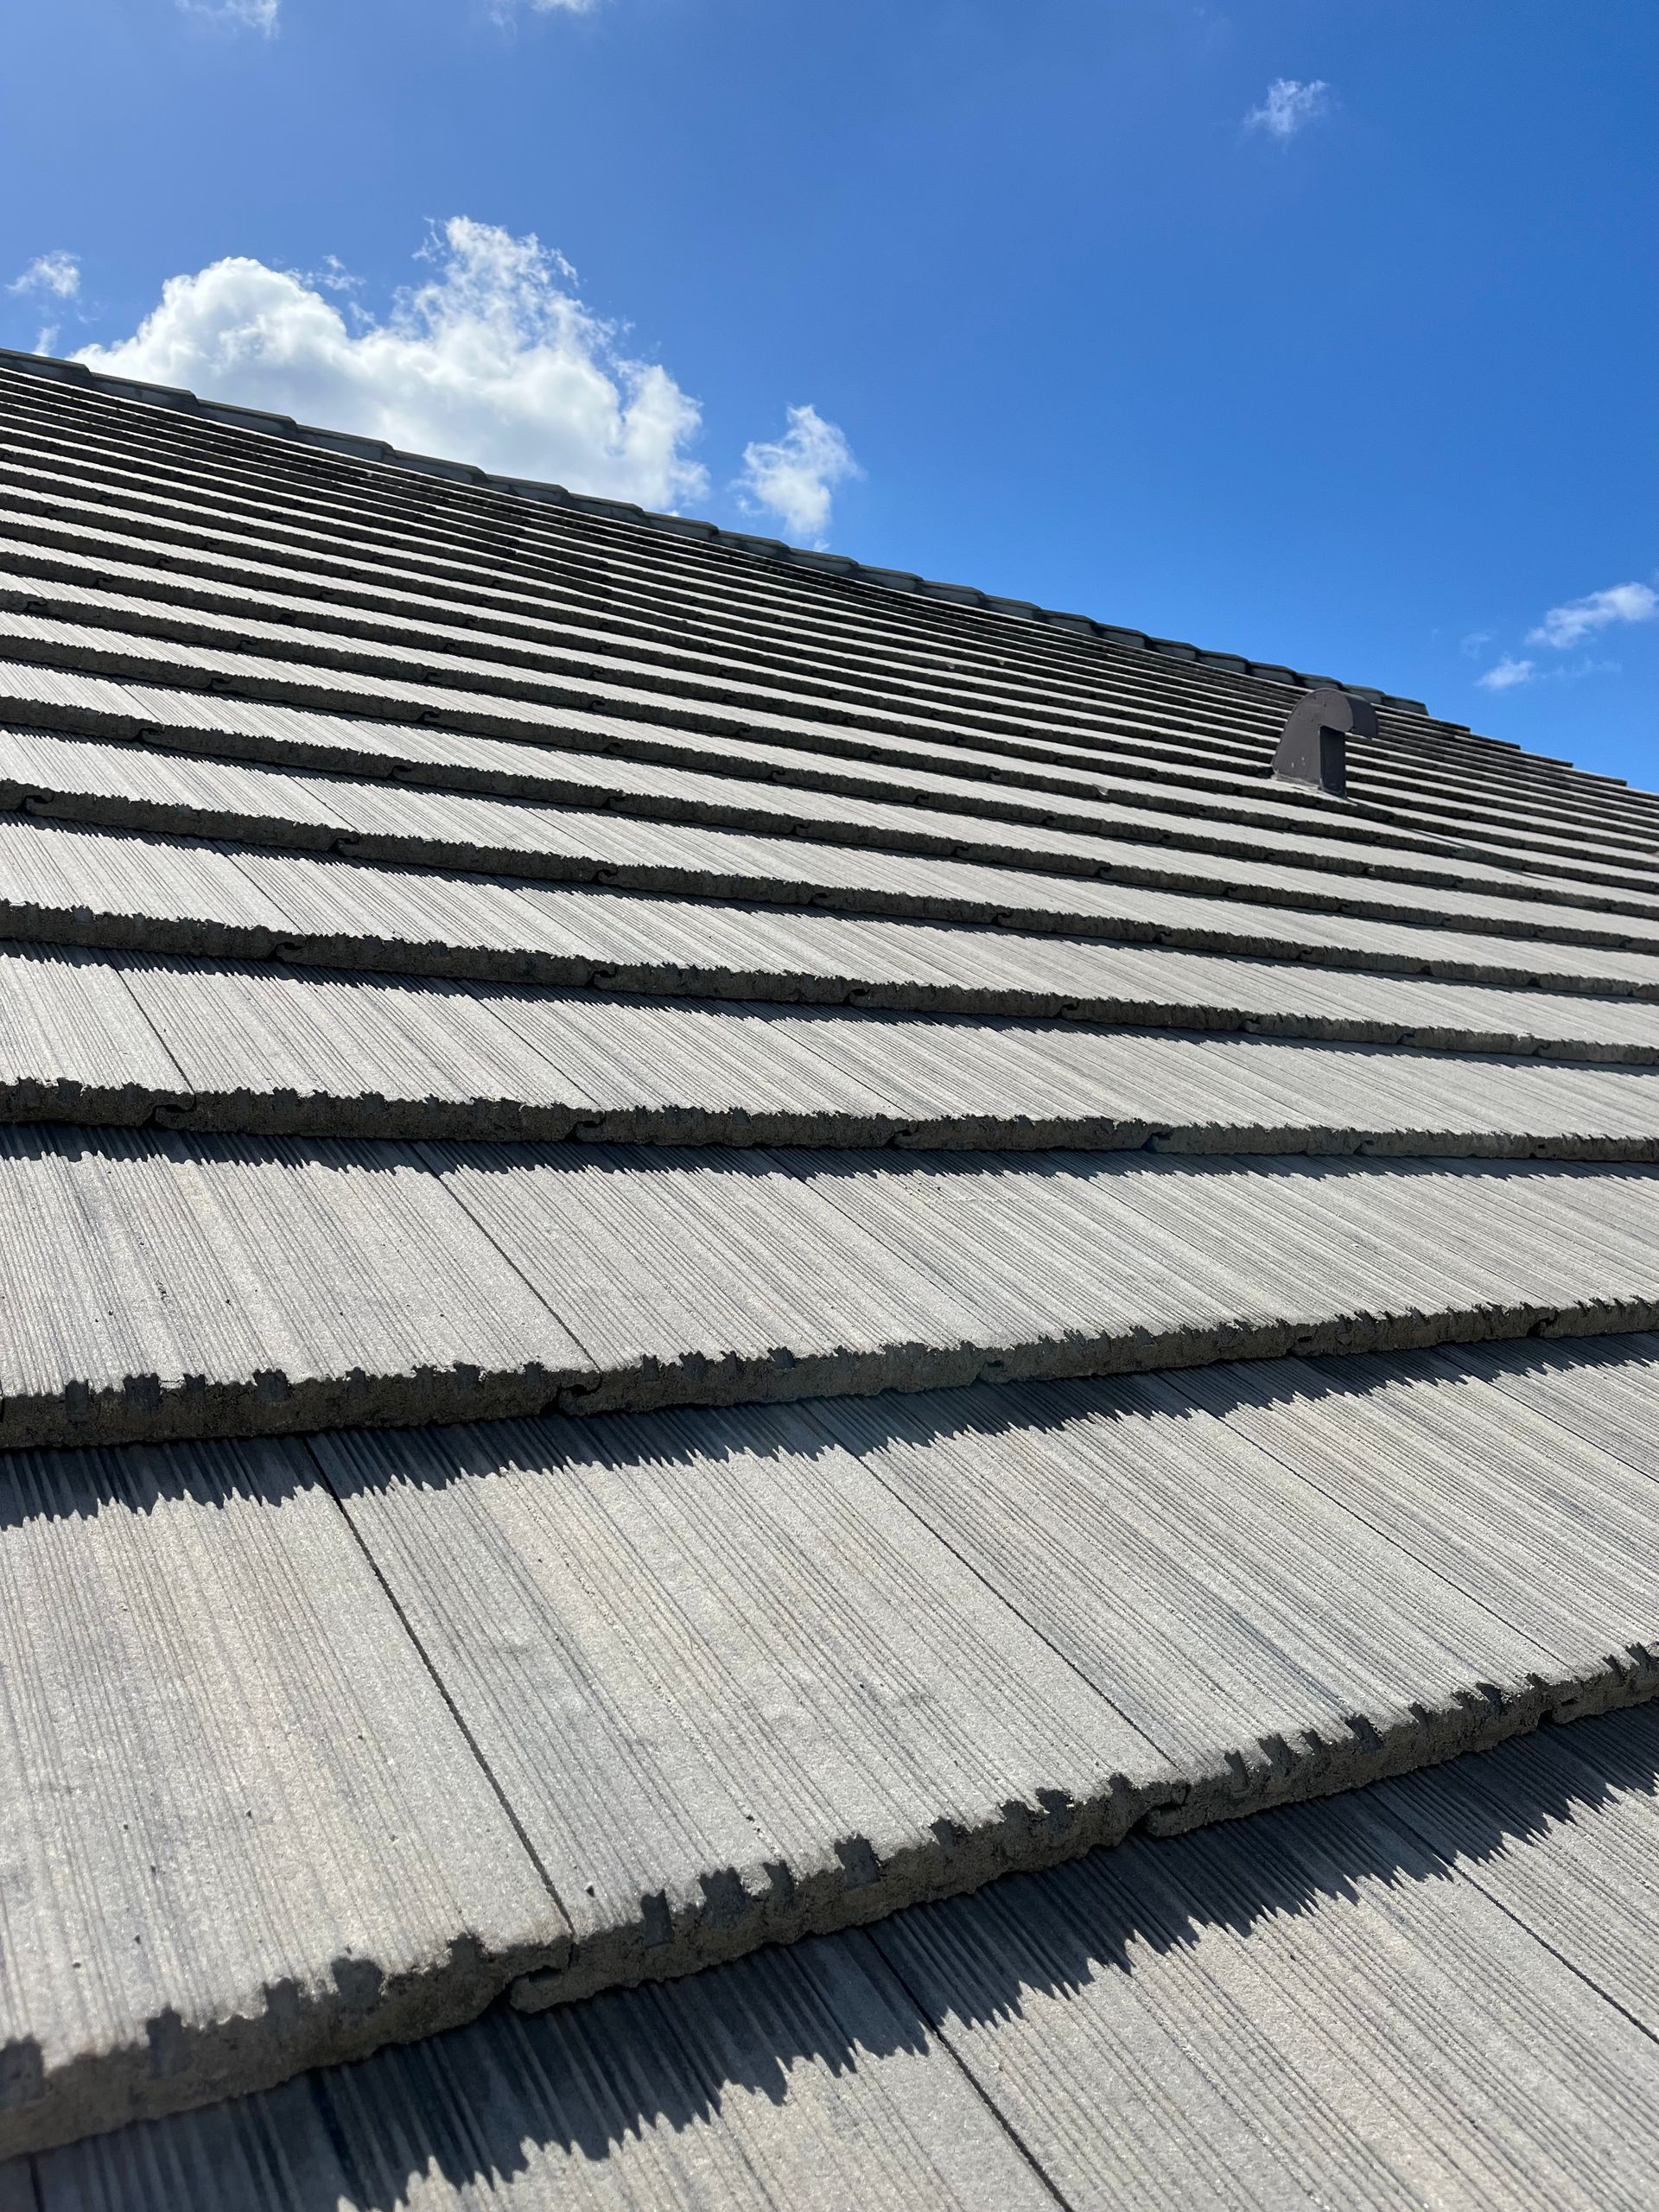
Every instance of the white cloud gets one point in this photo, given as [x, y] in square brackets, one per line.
[333, 276]
[493, 360]
[58, 274]
[1580, 618]
[507, 11]
[792, 476]
[1288, 107]
[253, 14]
[1472, 645]
[1507, 674]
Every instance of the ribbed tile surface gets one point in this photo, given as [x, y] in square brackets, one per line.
[1012, 779]
[72, 884]
[153, 1287]
[242, 1830]
[1334, 2005]
[661, 1690]
[74, 1043]
[709, 834]
[796, 2079]
[1342, 1981]
[805, 1712]
[174, 1285]
[691, 775]
[270, 1049]
[467, 953]
[750, 1694]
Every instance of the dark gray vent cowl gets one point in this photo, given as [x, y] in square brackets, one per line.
[1314, 749]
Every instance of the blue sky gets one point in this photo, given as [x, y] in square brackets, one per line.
[1067, 300]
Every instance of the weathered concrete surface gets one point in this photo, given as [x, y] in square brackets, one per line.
[1273, 1641]
[892, 663]
[1441, 1992]
[675, 680]
[243, 1833]
[752, 1696]
[317, 1748]
[806, 1661]
[799, 2081]
[626, 1697]
[160, 466]
[550, 759]
[974, 768]
[687, 832]
[261, 1049]
[284, 655]
[1085, 954]
[156, 1286]
[164, 1284]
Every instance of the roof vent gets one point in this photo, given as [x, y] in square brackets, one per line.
[1313, 750]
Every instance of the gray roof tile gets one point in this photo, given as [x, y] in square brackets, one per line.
[497, 953]
[243, 1831]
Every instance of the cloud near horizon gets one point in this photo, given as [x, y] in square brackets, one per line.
[493, 358]
[52, 277]
[1509, 674]
[1563, 628]
[794, 476]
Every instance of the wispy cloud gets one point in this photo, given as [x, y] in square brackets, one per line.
[1508, 674]
[247, 15]
[506, 10]
[493, 358]
[1290, 106]
[794, 476]
[55, 276]
[334, 276]
[1564, 626]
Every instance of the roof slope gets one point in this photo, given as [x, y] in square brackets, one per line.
[1442, 1992]
[696, 1249]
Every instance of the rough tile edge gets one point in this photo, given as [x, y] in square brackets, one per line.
[133, 931]
[1360, 893]
[179, 2066]
[377, 452]
[29, 1101]
[744, 1911]
[142, 1409]
[1020, 788]
[1012, 779]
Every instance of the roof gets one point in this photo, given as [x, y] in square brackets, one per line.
[795, 1412]
[767, 548]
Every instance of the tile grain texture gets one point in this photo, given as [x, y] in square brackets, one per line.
[792, 1412]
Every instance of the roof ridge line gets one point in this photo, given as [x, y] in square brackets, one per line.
[264, 421]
